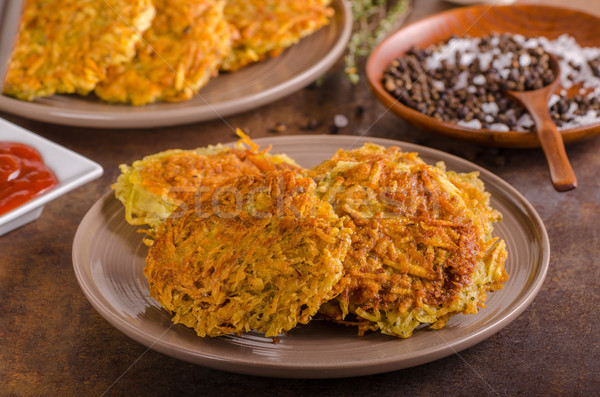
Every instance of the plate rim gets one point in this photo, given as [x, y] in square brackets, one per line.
[167, 116]
[340, 370]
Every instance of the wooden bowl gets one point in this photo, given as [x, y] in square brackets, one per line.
[477, 21]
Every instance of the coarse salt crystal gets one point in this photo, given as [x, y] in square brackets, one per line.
[438, 85]
[524, 60]
[519, 38]
[490, 108]
[525, 122]
[479, 79]
[531, 43]
[591, 117]
[503, 61]
[485, 59]
[467, 58]
[504, 73]
[475, 124]
[499, 127]
[462, 81]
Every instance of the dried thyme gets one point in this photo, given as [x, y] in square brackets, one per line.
[373, 20]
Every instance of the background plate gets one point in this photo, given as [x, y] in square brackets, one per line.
[108, 259]
[231, 93]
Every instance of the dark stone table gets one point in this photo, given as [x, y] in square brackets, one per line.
[52, 342]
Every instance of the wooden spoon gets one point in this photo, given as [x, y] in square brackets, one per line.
[536, 102]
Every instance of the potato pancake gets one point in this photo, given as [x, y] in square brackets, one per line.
[178, 55]
[66, 46]
[260, 252]
[151, 188]
[422, 249]
[267, 27]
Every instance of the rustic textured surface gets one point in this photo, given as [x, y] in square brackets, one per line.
[54, 343]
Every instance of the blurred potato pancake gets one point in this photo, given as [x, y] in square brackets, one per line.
[267, 27]
[422, 249]
[151, 188]
[178, 55]
[66, 46]
[260, 252]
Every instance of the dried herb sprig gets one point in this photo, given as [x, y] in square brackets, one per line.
[373, 20]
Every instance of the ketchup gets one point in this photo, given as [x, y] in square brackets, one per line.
[23, 175]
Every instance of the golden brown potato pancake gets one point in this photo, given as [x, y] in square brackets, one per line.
[66, 46]
[151, 188]
[267, 27]
[178, 55]
[260, 252]
[422, 248]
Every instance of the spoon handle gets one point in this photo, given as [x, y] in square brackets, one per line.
[561, 173]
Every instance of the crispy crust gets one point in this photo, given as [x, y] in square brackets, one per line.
[67, 46]
[267, 27]
[260, 253]
[422, 249]
[153, 187]
[180, 52]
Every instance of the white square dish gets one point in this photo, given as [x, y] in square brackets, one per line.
[71, 169]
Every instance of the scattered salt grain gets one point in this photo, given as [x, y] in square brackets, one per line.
[340, 121]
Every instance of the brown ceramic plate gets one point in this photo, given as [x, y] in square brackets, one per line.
[477, 21]
[227, 94]
[108, 258]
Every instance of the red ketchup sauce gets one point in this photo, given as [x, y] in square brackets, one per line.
[23, 175]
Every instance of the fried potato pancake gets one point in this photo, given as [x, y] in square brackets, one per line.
[422, 249]
[67, 46]
[153, 187]
[260, 252]
[178, 55]
[267, 27]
